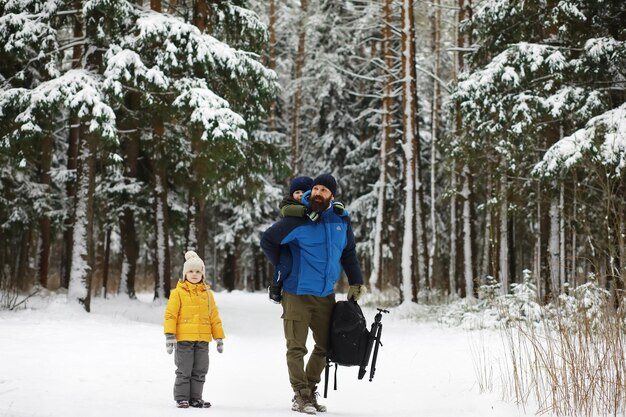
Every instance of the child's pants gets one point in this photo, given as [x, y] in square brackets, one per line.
[192, 365]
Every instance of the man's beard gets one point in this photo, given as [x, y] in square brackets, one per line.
[318, 203]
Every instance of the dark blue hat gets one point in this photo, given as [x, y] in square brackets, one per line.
[300, 183]
[327, 181]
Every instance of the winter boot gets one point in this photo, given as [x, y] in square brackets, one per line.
[182, 404]
[199, 403]
[320, 408]
[302, 402]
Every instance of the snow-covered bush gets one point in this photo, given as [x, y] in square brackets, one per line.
[585, 308]
[494, 309]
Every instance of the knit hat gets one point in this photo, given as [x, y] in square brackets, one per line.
[300, 183]
[192, 261]
[327, 181]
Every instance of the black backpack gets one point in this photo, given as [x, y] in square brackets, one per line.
[350, 342]
[348, 335]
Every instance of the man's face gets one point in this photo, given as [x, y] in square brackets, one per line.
[320, 198]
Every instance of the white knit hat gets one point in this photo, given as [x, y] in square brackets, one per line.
[192, 261]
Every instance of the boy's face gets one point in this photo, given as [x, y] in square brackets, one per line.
[297, 195]
[194, 276]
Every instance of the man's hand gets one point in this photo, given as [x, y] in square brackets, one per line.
[356, 291]
[275, 291]
[220, 345]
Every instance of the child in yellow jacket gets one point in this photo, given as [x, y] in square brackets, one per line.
[191, 322]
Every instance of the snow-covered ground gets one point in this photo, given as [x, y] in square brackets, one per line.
[56, 360]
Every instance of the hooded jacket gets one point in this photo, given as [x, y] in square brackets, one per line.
[318, 250]
[191, 313]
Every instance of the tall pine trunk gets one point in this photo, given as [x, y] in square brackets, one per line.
[452, 271]
[83, 250]
[554, 247]
[161, 216]
[297, 97]
[455, 257]
[504, 235]
[468, 235]
[44, 224]
[72, 158]
[409, 124]
[130, 244]
[435, 121]
[385, 145]
[272, 58]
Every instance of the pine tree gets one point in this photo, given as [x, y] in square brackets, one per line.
[533, 81]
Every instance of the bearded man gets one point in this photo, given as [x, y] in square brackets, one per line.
[319, 249]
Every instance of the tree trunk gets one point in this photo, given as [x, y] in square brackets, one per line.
[435, 121]
[83, 253]
[454, 243]
[107, 257]
[297, 97]
[21, 269]
[452, 287]
[573, 274]
[385, 145]
[155, 5]
[468, 238]
[555, 278]
[162, 255]
[488, 241]
[230, 272]
[410, 132]
[272, 58]
[201, 14]
[538, 253]
[130, 244]
[44, 224]
[161, 207]
[72, 158]
[562, 236]
[198, 195]
[504, 235]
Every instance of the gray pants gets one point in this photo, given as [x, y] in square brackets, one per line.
[192, 365]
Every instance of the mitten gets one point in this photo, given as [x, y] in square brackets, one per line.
[170, 342]
[356, 291]
[338, 207]
[313, 215]
[274, 291]
[220, 345]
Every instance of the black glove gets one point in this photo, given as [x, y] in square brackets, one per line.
[338, 207]
[274, 291]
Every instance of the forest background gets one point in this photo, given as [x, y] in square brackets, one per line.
[476, 143]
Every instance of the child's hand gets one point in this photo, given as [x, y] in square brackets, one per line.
[170, 342]
[220, 345]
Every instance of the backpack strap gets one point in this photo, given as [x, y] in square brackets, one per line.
[326, 372]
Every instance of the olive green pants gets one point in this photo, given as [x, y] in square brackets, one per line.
[301, 313]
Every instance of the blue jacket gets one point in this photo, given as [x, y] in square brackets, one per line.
[317, 252]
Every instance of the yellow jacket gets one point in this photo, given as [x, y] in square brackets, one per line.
[191, 313]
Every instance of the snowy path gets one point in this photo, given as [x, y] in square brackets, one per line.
[61, 362]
